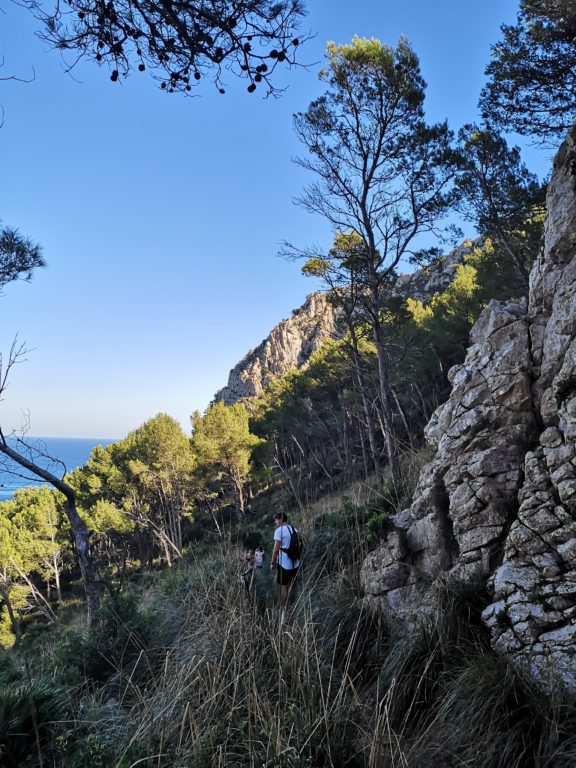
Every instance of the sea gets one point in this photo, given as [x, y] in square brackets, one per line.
[72, 451]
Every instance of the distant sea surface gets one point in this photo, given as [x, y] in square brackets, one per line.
[73, 451]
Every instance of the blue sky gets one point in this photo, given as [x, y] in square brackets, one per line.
[161, 216]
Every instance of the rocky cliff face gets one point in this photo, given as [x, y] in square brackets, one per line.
[290, 345]
[437, 276]
[496, 506]
[293, 341]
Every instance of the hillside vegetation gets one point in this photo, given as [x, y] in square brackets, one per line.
[184, 668]
[179, 660]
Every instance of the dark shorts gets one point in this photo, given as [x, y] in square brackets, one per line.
[285, 576]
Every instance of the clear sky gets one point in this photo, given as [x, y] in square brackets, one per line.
[161, 216]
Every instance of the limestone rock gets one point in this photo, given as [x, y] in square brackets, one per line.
[289, 345]
[292, 342]
[497, 503]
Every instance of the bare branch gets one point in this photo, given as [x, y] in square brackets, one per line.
[17, 354]
[179, 42]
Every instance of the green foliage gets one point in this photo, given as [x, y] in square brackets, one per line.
[221, 439]
[38, 511]
[383, 178]
[370, 69]
[503, 199]
[455, 304]
[222, 445]
[315, 420]
[379, 513]
[497, 275]
[7, 636]
[135, 493]
[120, 637]
[532, 74]
[369, 121]
[105, 517]
[30, 716]
[30, 544]
[19, 256]
[342, 536]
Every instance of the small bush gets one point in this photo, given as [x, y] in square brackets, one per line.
[30, 716]
[120, 636]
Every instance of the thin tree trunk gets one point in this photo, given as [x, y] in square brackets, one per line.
[214, 520]
[11, 615]
[363, 448]
[78, 526]
[400, 410]
[369, 424]
[57, 580]
[386, 403]
[48, 612]
[362, 388]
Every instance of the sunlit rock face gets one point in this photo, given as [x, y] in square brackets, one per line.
[292, 342]
[496, 506]
[533, 616]
[290, 345]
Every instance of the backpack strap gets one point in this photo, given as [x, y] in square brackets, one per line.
[285, 549]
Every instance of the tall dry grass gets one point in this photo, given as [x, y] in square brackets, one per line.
[189, 671]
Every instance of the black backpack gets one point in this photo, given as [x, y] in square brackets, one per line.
[293, 550]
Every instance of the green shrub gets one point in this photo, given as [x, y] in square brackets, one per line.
[120, 636]
[30, 716]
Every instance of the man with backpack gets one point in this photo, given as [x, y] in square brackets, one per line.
[285, 556]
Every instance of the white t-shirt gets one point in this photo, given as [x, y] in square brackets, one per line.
[282, 534]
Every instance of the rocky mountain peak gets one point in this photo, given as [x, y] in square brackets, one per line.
[290, 345]
[292, 342]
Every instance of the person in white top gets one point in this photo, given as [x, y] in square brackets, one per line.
[286, 568]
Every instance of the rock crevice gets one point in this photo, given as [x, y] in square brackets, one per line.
[496, 506]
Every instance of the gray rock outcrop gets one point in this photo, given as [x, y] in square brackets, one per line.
[292, 342]
[437, 276]
[496, 506]
[290, 345]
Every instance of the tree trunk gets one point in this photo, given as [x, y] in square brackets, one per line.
[81, 535]
[400, 410]
[166, 547]
[386, 402]
[12, 616]
[78, 526]
[374, 453]
[214, 519]
[57, 580]
[238, 486]
[369, 421]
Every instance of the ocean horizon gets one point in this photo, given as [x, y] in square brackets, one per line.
[72, 451]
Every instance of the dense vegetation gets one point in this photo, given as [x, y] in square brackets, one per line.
[180, 665]
[183, 668]
[532, 75]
